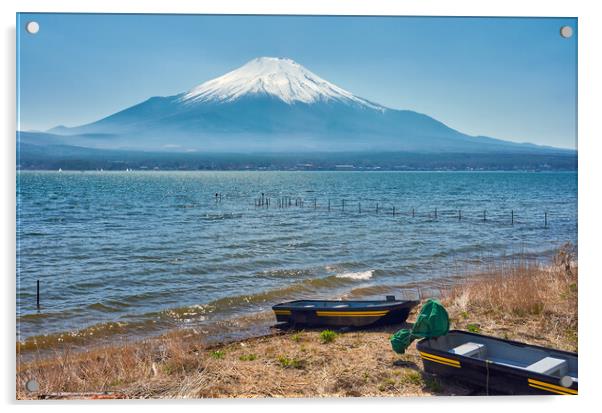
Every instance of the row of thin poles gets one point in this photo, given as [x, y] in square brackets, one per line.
[287, 202]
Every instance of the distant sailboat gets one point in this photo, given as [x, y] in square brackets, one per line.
[60, 170]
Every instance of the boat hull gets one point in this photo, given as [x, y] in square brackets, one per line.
[316, 313]
[493, 377]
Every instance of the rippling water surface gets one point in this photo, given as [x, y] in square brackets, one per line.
[133, 252]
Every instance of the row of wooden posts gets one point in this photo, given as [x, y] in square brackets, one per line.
[287, 202]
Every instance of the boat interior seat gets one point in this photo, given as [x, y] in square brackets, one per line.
[549, 365]
[475, 350]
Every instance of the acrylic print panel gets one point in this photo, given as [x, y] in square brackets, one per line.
[180, 175]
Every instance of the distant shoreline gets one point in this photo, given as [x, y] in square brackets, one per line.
[30, 157]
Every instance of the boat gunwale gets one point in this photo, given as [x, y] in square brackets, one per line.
[377, 305]
[518, 343]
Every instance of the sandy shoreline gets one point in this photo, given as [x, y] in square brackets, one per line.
[523, 302]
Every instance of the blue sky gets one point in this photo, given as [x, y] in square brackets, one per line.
[509, 78]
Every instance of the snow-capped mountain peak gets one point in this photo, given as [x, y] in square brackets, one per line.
[281, 78]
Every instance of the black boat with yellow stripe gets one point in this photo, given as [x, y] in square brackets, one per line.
[500, 366]
[341, 313]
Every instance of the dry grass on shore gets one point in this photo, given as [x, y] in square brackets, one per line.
[521, 302]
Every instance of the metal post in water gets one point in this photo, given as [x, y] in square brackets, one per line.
[359, 207]
[343, 204]
[512, 219]
[484, 215]
[435, 213]
[459, 215]
[38, 295]
[329, 204]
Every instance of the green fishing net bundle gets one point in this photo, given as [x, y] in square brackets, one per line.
[432, 321]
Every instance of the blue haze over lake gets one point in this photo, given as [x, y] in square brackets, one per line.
[143, 251]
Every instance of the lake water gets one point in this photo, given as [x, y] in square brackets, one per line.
[138, 252]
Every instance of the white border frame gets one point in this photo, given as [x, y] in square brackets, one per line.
[590, 70]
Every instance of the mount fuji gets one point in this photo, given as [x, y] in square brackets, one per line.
[272, 105]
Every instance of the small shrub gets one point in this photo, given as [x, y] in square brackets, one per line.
[411, 377]
[296, 337]
[328, 336]
[218, 354]
[464, 315]
[473, 328]
[291, 363]
[387, 384]
[248, 357]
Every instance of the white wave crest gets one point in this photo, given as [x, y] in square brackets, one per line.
[362, 275]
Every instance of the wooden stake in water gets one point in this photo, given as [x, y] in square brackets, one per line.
[38, 295]
[459, 215]
[512, 219]
[377, 207]
[329, 205]
[413, 213]
[484, 215]
[343, 204]
[545, 217]
[393, 211]
[359, 207]
[435, 213]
